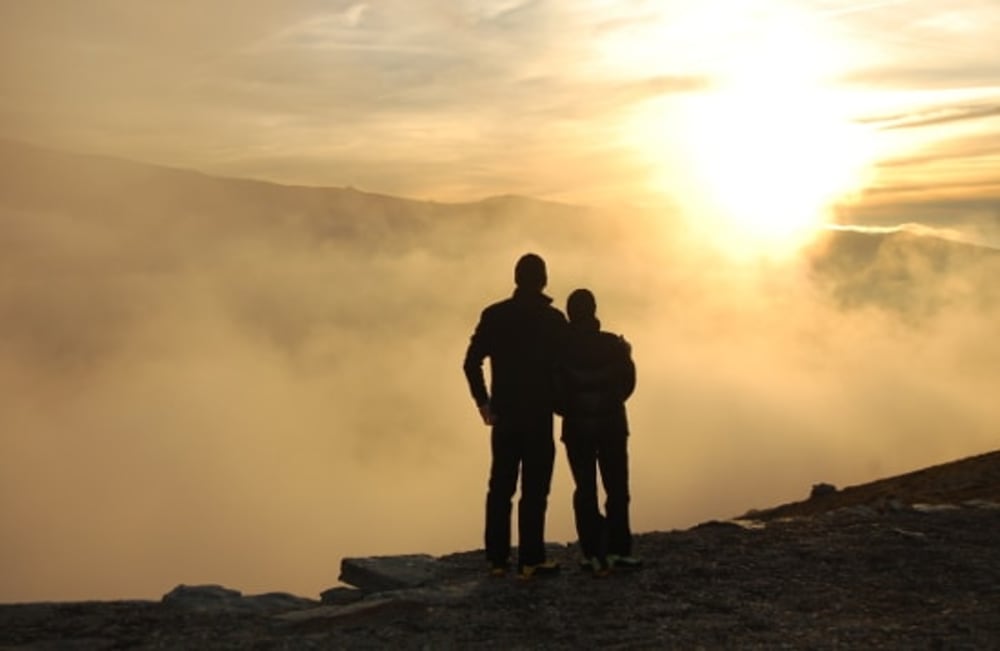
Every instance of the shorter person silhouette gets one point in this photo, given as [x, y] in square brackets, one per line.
[594, 379]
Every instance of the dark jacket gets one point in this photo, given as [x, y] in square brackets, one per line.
[594, 379]
[522, 336]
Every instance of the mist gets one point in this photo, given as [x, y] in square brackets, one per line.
[214, 381]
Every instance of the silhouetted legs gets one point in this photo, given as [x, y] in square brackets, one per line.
[524, 448]
[582, 455]
[601, 535]
[612, 457]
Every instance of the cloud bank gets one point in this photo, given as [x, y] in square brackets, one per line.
[222, 381]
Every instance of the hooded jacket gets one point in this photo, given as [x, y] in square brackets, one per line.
[595, 377]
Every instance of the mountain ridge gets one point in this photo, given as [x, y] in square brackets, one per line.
[11, 149]
[145, 198]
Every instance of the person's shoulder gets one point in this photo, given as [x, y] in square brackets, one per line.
[499, 306]
[616, 342]
[555, 313]
[548, 310]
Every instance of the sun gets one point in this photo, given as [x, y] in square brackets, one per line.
[760, 156]
[765, 169]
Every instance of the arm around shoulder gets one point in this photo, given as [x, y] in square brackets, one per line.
[628, 368]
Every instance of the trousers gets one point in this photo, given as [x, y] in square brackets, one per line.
[520, 447]
[601, 535]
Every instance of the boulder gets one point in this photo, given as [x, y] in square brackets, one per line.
[202, 597]
[340, 596]
[821, 490]
[276, 602]
[216, 598]
[380, 573]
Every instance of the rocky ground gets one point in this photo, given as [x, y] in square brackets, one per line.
[905, 563]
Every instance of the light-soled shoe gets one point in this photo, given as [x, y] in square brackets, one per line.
[617, 562]
[545, 568]
[498, 571]
[598, 567]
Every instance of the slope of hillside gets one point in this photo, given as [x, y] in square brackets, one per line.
[953, 483]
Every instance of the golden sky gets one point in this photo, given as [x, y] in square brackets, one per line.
[721, 107]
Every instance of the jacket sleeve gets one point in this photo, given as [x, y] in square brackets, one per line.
[473, 366]
[627, 370]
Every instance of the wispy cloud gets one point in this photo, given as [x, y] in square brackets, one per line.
[962, 74]
[915, 228]
[852, 7]
[963, 148]
[934, 116]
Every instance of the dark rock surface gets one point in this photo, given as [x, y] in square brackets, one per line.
[956, 482]
[858, 575]
[389, 572]
[216, 598]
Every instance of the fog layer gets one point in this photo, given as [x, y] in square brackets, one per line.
[220, 381]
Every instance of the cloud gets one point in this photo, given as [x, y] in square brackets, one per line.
[979, 145]
[233, 382]
[500, 10]
[959, 74]
[887, 40]
[943, 171]
[287, 89]
[466, 91]
[935, 116]
[355, 14]
[964, 218]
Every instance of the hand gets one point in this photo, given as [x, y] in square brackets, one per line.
[487, 414]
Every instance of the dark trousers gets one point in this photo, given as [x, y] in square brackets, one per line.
[523, 447]
[610, 533]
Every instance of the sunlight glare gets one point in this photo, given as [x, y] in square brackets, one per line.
[760, 158]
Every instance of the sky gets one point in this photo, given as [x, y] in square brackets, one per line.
[213, 382]
[632, 102]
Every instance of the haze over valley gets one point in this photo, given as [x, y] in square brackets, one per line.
[230, 381]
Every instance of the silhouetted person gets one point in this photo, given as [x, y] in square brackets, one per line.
[595, 378]
[521, 335]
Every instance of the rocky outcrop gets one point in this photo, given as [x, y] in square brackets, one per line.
[216, 598]
[390, 572]
[970, 480]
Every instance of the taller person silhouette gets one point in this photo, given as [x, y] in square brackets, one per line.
[522, 336]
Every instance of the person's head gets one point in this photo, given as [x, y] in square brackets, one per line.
[581, 306]
[529, 272]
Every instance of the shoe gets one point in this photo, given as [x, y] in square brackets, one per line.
[624, 562]
[498, 571]
[598, 567]
[545, 568]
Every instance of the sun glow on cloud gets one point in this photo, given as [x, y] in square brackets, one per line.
[759, 158]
